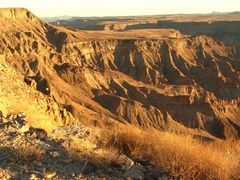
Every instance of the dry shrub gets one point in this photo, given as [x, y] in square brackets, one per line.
[181, 155]
[86, 149]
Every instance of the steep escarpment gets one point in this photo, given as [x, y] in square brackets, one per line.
[17, 96]
[160, 82]
[17, 13]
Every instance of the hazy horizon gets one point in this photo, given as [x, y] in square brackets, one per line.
[53, 8]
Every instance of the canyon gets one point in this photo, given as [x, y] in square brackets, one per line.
[145, 97]
[159, 78]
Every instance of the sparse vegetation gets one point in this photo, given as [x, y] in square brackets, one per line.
[181, 155]
[86, 149]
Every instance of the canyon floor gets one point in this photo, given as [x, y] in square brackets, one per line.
[152, 97]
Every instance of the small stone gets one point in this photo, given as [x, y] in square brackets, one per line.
[125, 162]
[136, 172]
[55, 154]
[49, 175]
[33, 177]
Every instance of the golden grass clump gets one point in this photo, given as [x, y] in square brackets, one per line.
[180, 154]
[86, 149]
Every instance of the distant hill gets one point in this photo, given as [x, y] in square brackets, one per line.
[235, 13]
[66, 17]
[52, 19]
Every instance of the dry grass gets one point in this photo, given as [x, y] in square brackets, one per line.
[181, 155]
[86, 149]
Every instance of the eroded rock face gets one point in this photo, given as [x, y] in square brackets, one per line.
[192, 81]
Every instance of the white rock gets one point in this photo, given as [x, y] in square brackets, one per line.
[49, 175]
[125, 162]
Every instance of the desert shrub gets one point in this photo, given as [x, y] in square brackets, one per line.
[180, 154]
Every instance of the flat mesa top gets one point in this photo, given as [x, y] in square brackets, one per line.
[135, 34]
[157, 34]
[14, 13]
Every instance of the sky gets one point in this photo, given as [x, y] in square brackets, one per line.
[51, 8]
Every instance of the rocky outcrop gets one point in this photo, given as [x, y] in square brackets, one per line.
[58, 155]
